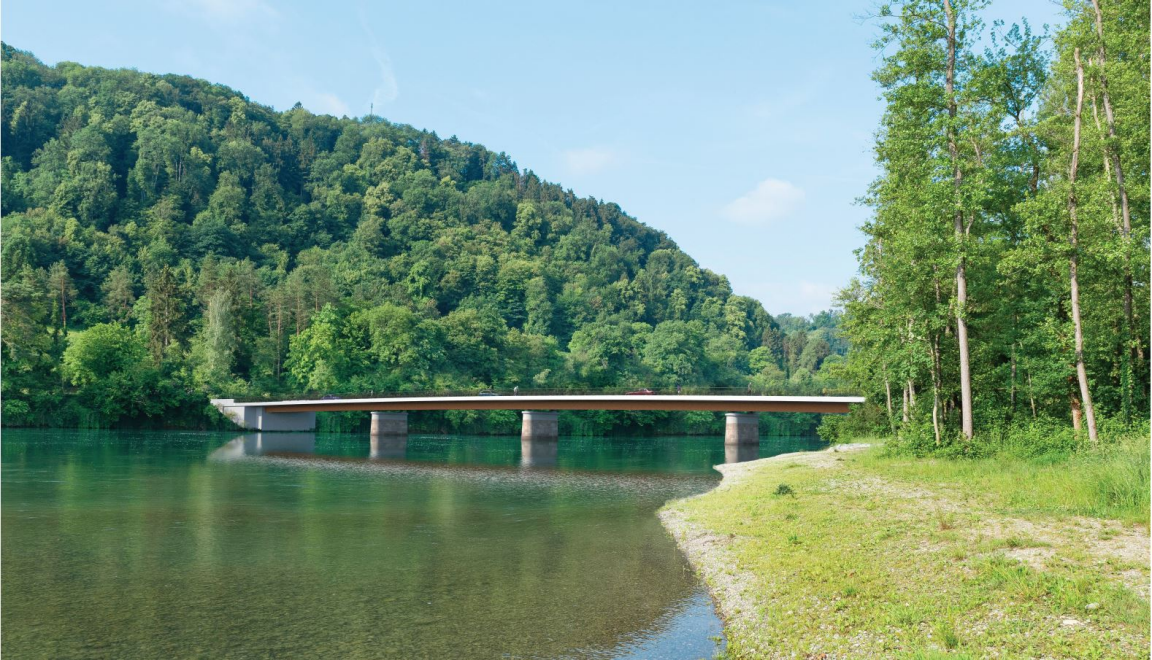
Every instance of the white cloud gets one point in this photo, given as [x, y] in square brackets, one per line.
[770, 200]
[326, 103]
[388, 89]
[230, 12]
[591, 160]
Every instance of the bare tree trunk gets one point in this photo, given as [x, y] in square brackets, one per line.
[1031, 399]
[936, 387]
[1132, 339]
[888, 399]
[959, 229]
[1012, 390]
[1073, 257]
[904, 408]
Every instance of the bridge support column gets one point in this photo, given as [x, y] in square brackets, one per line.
[389, 424]
[741, 429]
[539, 435]
[540, 425]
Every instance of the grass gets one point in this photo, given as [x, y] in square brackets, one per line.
[1112, 482]
[876, 555]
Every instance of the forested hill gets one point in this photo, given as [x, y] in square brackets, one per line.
[165, 238]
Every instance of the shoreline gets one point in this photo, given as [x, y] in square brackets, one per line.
[841, 553]
[709, 555]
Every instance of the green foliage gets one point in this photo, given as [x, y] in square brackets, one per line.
[98, 353]
[252, 252]
[975, 175]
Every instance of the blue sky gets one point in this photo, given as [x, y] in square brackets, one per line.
[742, 129]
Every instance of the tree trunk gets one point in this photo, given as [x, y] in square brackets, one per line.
[1012, 384]
[958, 228]
[888, 399]
[1133, 349]
[936, 387]
[1031, 398]
[1073, 257]
[904, 408]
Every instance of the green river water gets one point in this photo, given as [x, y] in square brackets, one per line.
[179, 544]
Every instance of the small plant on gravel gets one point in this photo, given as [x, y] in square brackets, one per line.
[947, 521]
[946, 633]
[784, 489]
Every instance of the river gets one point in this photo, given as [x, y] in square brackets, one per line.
[179, 544]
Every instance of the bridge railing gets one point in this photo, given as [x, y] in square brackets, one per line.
[567, 391]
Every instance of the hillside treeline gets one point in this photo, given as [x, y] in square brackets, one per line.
[1004, 283]
[166, 240]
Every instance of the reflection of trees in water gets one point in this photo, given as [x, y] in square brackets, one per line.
[304, 555]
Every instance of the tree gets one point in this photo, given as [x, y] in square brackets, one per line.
[99, 352]
[217, 345]
[118, 292]
[319, 358]
[165, 312]
[61, 290]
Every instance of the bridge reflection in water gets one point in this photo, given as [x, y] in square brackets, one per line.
[534, 453]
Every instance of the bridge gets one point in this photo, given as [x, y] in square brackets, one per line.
[539, 412]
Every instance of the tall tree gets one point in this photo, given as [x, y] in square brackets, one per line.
[1074, 252]
[61, 291]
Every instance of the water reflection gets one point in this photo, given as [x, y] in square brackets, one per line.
[539, 453]
[261, 444]
[741, 452]
[298, 545]
[644, 454]
[383, 447]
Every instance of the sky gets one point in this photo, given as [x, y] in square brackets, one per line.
[741, 129]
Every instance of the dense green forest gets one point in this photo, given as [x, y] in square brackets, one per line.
[1005, 281]
[166, 240]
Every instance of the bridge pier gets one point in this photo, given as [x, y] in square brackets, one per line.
[741, 429]
[540, 425]
[389, 424]
[539, 438]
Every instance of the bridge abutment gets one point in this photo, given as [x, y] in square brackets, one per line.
[741, 429]
[256, 418]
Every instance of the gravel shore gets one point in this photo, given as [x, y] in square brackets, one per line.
[732, 589]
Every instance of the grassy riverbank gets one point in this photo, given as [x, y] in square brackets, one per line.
[857, 554]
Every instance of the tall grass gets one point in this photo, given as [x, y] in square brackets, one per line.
[1054, 475]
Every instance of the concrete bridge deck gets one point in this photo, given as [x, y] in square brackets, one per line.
[724, 403]
[389, 414]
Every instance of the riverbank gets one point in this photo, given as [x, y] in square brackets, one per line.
[850, 553]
